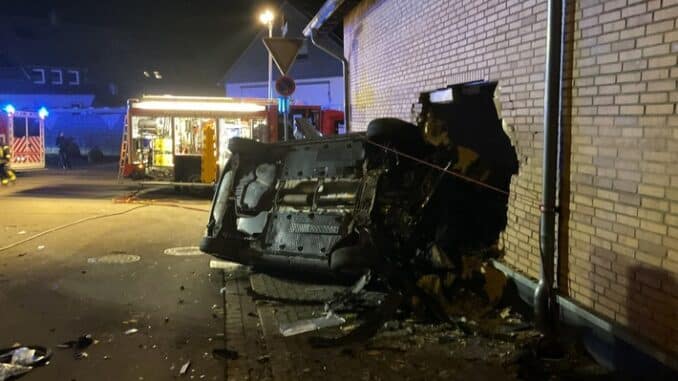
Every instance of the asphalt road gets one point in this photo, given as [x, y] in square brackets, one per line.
[76, 260]
[77, 280]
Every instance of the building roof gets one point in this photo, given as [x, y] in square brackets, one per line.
[28, 43]
[252, 64]
[111, 62]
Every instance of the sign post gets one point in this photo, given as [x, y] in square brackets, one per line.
[286, 132]
[285, 86]
[284, 52]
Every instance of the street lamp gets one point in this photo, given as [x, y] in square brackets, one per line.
[266, 17]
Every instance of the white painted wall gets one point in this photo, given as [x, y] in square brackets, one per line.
[326, 92]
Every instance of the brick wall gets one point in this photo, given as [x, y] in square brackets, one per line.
[621, 253]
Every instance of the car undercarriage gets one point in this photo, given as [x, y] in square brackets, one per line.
[399, 201]
[320, 205]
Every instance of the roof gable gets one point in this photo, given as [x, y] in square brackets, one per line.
[252, 64]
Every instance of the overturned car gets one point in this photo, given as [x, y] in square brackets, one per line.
[397, 198]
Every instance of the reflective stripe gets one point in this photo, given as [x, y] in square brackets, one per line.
[27, 150]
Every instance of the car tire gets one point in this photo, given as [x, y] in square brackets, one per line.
[350, 259]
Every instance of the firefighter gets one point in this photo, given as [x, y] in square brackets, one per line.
[6, 173]
[63, 142]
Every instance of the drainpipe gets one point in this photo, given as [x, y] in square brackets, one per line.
[545, 294]
[347, 82]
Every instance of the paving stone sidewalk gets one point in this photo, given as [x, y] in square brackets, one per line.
[243, 333]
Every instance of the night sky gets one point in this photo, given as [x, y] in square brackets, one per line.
[206, 21]
[197, 39]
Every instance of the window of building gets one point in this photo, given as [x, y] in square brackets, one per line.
[57, 77]
[38, 76]
[73, 77]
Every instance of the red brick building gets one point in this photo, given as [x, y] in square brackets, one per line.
[619, 218]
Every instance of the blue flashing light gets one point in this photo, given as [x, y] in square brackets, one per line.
[10, 109]
[43, 113]
[283, 105]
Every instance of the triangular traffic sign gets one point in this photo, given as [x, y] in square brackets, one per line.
[284, 51]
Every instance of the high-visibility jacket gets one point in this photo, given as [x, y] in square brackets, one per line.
[6, 174]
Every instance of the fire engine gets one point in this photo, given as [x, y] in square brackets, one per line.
[183, 140]
[24, 132]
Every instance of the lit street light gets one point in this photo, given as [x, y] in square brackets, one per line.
[266, 17]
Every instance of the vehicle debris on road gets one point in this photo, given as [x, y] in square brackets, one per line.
[8, 371]
[184, 368]
[79, 345]
[330, 319]
[21, 359]
[82, 342]
[80, 355]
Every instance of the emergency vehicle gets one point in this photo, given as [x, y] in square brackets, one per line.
[327, 122]
[24, 132]
[183, 140]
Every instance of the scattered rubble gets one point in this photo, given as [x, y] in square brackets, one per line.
[493, 335]
[80, 355]
[79, 345]
[82, 342]
[330, 319]
[184, 368]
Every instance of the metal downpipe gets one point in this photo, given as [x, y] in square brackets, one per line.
[347, 78]
[545, 295]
